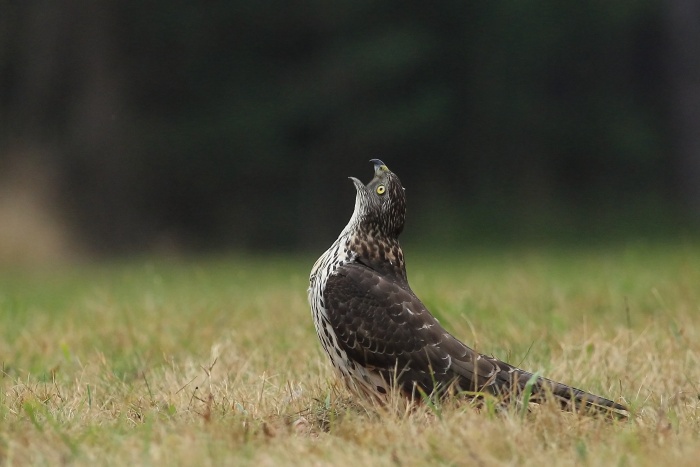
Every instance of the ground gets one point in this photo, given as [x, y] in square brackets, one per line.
[213, 361]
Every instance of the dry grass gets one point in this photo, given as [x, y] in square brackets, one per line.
[215, 362]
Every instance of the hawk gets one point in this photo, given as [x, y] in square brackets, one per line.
[379, 335]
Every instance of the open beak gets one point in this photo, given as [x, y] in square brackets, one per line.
[379, 169]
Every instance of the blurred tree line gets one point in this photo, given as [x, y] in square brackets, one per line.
[235, 123]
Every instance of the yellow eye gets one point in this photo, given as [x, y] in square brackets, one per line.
[381, 189]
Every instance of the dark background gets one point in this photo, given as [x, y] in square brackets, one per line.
[130, 126]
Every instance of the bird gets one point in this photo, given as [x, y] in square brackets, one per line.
[378, 334]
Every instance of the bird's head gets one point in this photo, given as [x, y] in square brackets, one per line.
[381, 204]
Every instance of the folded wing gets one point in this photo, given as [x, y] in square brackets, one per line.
[382, 325]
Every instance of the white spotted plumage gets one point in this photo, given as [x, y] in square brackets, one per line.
[357, 377]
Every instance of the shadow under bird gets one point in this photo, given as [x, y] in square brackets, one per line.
[379, 335]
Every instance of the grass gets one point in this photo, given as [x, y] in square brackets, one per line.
[215, 361]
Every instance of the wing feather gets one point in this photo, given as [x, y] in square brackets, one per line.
[381, 323]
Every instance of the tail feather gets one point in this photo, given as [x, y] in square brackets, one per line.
[569, 397]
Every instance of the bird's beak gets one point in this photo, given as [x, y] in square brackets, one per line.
[359, 186]
[379, 167]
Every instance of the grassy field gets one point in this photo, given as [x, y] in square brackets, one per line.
[215, 362]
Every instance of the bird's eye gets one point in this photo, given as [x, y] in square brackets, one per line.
[381, 189]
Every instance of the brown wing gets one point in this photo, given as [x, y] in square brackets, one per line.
[380, 323]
